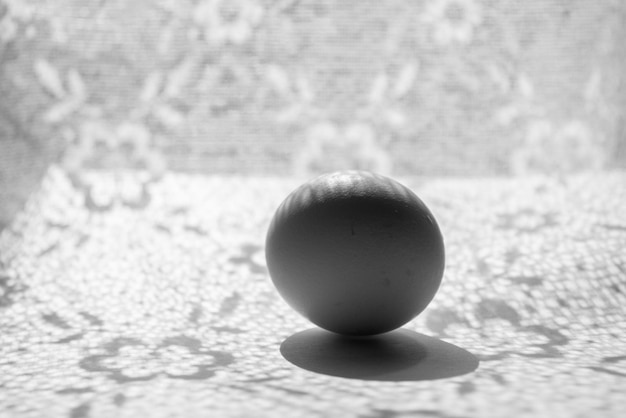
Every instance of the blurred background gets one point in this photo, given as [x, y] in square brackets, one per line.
[271, 87]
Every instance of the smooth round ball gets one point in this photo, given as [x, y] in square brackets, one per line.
[355, 252]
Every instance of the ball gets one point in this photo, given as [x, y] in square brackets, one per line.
[355, 252]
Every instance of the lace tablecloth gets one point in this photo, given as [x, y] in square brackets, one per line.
[151, 298]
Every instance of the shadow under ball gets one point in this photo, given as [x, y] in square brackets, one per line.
[355, 252]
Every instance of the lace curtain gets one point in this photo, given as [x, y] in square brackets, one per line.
[144, 146]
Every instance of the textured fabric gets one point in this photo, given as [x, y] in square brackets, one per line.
[437, 86]
[144, 146]
[432, 87]
[153, 299]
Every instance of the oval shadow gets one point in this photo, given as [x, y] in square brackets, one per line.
[400, 355]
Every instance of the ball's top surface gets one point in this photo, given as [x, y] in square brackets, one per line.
[355, 252]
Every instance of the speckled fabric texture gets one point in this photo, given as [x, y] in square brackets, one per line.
[287, 85]
[432, 87]
[153, 299]
[144, 146]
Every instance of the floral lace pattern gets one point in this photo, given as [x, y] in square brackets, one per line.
[434, 87]
[166, 308]
[128, 287]
[267, 86]
[128, 360]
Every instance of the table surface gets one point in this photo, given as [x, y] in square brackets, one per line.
[125, 296]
